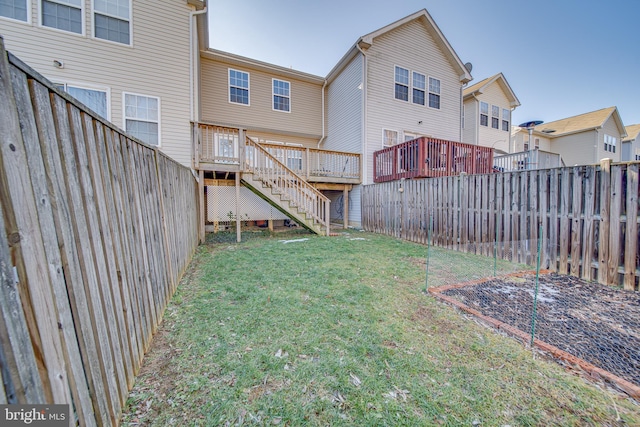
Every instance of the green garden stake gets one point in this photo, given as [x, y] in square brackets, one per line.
[426, 283]
[535, 298]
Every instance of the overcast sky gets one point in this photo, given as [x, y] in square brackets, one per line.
[561, 57]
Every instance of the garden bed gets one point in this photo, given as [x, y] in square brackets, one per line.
[588, 325]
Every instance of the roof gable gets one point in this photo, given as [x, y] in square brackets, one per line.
[367, 40]
[581, 123]
[633, 131]
[500, 80]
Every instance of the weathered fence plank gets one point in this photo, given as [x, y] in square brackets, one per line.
[631, 232]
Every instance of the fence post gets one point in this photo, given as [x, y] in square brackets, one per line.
[535, 298]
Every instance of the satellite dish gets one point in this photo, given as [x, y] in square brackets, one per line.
[468, 66]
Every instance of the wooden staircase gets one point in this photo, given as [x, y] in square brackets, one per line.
[272, 180]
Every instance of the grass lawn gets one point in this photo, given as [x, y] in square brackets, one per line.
[337, 331]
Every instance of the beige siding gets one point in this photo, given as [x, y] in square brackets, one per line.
[471, 122]
[610, 128]
[156, 64]
[488, 136]
[344, 115]
[305, 118]
[578, 149]
[284, 138]
[412, 47]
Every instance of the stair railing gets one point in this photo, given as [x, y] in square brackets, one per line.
[276, 175]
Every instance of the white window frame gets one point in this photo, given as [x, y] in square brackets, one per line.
[130, 20]
[486, 113]
[83, 24]
[248, 88]
[396, 82]
[429, 92]
[125, 117]
[423, 89]
[495, 117]
[28, 21]
[274, 94]
[506, 118]
[610, 143]
[384, 134]
[105, 89]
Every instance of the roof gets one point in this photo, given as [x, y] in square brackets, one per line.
[481, 86]
[367, 40]
[633, 132]
[233, 59]
[580, 123]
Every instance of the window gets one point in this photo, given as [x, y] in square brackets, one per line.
[495, 117]
[402, 84]
[389, 137]
[14, 9]
[93, 98]
[536, 143]
[281, 95]
[238, 87]
[111, 20]
[62, 14]
[506, 119]
[434, 93]
[142, 117]
[484, 114]
[526, 146]
[610, 143]
[419, 88]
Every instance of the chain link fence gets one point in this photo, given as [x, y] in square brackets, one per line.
[593, 326]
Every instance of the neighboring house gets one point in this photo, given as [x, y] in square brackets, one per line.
[488, 107]
[394, 84]
[580, 140]
[130, 61]
[631, 144]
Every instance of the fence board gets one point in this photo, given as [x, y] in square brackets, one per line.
[631, 232]
[581, 217]
[76, 234]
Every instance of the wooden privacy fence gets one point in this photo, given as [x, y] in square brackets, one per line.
[95, 231]
[589, 217]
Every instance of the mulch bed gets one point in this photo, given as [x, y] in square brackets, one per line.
[593, 326]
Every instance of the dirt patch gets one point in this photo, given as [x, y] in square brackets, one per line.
[591, 322]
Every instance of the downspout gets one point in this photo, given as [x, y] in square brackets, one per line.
[192, 14]
[364, 113]
[323, 133]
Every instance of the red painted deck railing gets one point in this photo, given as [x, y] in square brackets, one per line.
[429, 157]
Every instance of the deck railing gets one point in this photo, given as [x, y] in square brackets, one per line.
[429, 157]
[527, 160]
[281, 179]
[220, 145]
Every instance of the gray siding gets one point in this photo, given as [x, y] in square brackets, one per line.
[344, 115]
[304, 119]
[471, 122]
[156, 64]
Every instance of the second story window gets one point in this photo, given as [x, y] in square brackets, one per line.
[142, 117]
[281, 95]
[419, 88]
[484, 114]
[434, 93]
[238, 87]
[111, 20]
[14, 9]
[402, 84]
[62, 14]
[610, 143]
[506, 119]
[495, 117]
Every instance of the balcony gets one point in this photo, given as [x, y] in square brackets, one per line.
[428, 157]
[218, 148]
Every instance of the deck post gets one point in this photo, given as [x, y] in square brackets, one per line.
[345, 207]
[307, 164]
[201, 207]
[242, 146]
[238, 222]
[327, 216]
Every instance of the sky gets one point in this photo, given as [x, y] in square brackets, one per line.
[561, 57]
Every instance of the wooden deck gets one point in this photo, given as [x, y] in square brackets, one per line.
[429, 157]
[223, 149]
